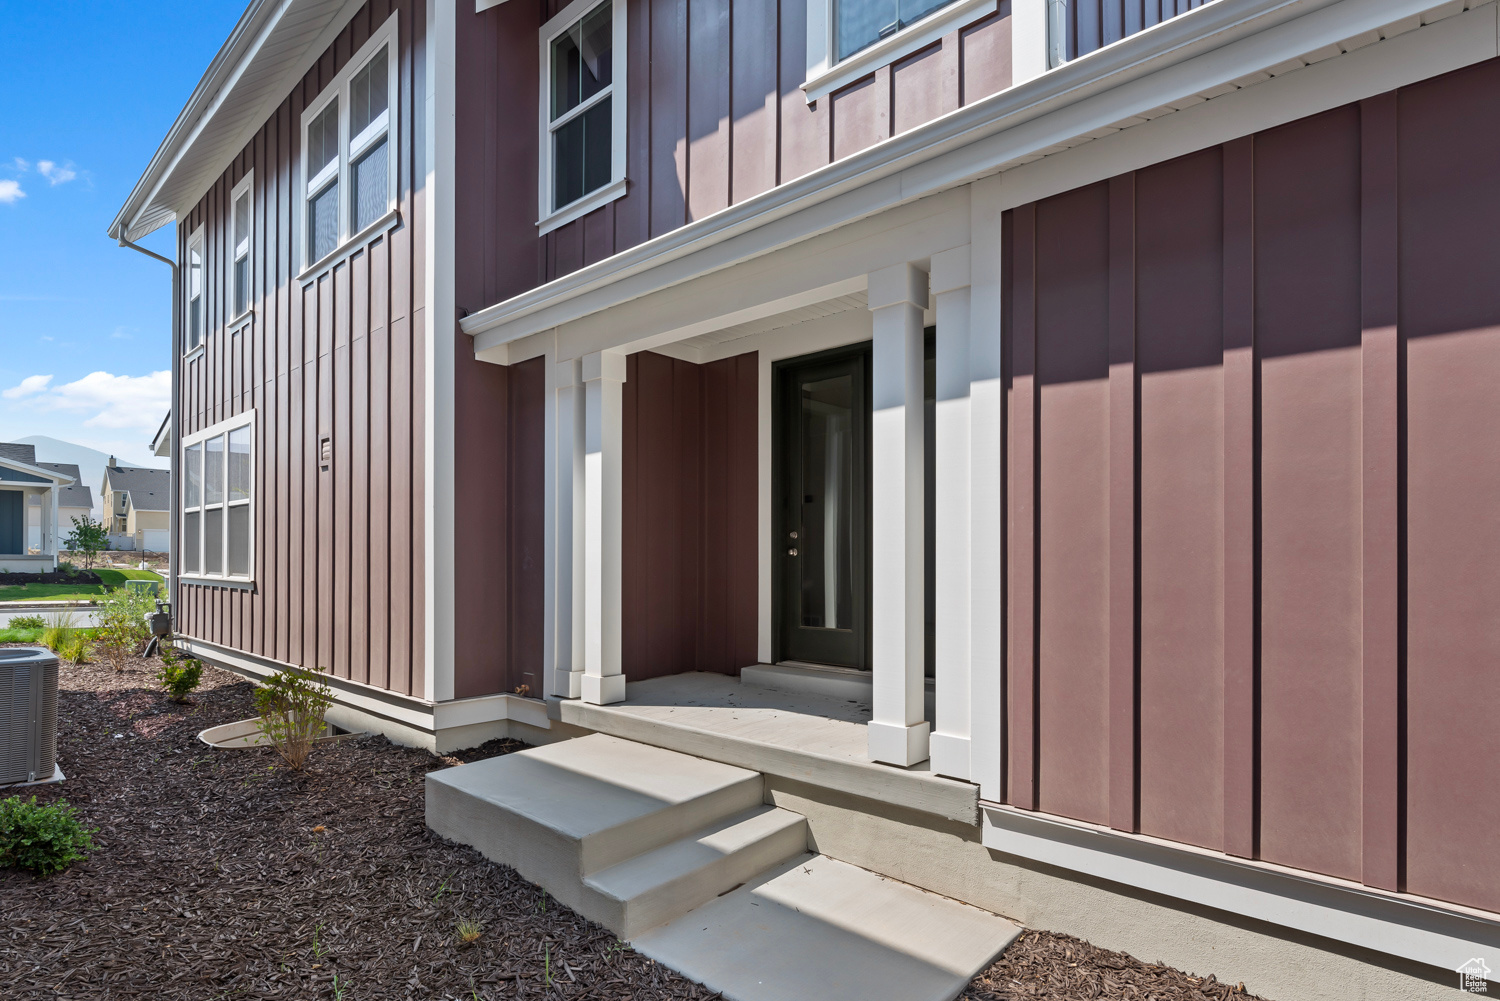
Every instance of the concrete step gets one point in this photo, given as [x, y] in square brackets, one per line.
[819, 928]
[563, 811]
[643, 892]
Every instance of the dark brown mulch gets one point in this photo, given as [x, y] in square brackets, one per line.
[218, 875]
[54, 577]
[1041, 964]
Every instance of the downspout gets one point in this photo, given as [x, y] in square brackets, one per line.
[175, 431]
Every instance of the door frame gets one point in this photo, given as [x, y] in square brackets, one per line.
[781, 376]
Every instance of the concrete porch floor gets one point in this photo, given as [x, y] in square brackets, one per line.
[817, 739]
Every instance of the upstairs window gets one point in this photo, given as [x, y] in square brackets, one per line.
[347, 161]
[861, 23]
[583, 110]
[218, 500]
[193, 289]
[241, 234]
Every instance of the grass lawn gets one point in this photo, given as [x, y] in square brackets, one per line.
[52, 592]
[14, 635]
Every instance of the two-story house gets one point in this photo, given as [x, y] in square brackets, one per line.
[137, 507]
[1050, 442]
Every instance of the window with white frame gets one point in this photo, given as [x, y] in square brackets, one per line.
[193, 290]
[347, 159]
[861, 23]
[583, 110]
[218, 502]
[241, 234]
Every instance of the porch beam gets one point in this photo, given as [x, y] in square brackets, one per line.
[603, 374]
[898, 733]
[954, 556]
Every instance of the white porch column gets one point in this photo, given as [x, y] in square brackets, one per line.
[567, 663]
[986, 476]
[898, 731]
[950, 737]
[603, 385]
[48, 523]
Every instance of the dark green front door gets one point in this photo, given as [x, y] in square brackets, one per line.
[822, 540]
[12, 522]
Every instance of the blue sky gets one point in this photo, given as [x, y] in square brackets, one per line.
[87, 91]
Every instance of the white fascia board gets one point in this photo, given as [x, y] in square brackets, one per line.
[1221, 40]
[215, 90]
[25, 467]
[1420, 930]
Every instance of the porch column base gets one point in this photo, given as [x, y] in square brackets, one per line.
[950, 755]
[602, 690]
[567, 684]
[894, 744]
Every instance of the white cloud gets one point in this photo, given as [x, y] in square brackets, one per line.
[55, 174]
[10, 192]
[115, 401]
[29, 386]
[21, 164]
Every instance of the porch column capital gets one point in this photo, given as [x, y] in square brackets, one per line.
[606, 365]
[898, 285]
[950, 270]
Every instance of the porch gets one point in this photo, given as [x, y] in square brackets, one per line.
[21, 483]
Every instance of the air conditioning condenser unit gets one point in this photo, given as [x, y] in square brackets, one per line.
[28, 714]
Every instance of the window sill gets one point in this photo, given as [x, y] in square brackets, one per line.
[349, 246]
[193, 353]
[903, 43]
[583, 206]
[203, 580]
[243, 320]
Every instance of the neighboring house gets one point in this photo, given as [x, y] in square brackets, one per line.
[24, 481]
[137, 507]
[74, 503]
[1079, 440]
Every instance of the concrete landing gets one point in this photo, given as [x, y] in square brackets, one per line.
[810, 737]
[819, 928]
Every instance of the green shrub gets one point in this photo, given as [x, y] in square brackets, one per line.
[27, 622]
[179, 675]
[88, 539]
[123, 628]
[45, 839]
[76, 649]
[60, 632]
[291, 707]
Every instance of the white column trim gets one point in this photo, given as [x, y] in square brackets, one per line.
[603, 376]
[898, 732]
[566, 514]
[1028, 39]
[952, 498]
[986, 472]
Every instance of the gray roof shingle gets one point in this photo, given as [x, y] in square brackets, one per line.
[149, 489]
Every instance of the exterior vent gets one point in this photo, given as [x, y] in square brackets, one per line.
[28, 714]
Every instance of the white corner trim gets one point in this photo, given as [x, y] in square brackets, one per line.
[582, 207]
[1417, 929]
[480, 6]
[824, 76]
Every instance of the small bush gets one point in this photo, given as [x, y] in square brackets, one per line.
[67, 569]
[44, 839]
[178, 675]
[291, 707]
[60, 632]
[27, 622]
[123, 626]
[77, 649]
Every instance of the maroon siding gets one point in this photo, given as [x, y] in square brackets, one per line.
[716, 116]
[337, 354]
[1253, 536]
[690, 541]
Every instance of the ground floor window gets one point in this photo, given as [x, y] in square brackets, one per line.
[218, 500]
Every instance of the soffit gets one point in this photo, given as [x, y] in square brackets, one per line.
[272, 46]
[792, 317]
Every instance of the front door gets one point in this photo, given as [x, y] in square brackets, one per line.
[822, 554]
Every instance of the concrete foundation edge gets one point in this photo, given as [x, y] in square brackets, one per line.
[948, 858]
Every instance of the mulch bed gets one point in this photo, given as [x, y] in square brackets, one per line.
[55, 577]
[220, 874]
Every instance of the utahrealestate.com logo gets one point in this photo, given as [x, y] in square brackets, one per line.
[1474, 977]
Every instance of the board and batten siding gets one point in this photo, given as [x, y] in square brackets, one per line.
[338, 556]
[716, 116]
[1252, 468]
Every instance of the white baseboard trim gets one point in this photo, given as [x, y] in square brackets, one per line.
[1424, 931]
[413, 720]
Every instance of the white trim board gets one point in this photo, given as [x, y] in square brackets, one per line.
[418, 714]
[1210, 51]
[1415, 929]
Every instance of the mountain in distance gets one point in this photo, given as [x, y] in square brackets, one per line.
[90, 462]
